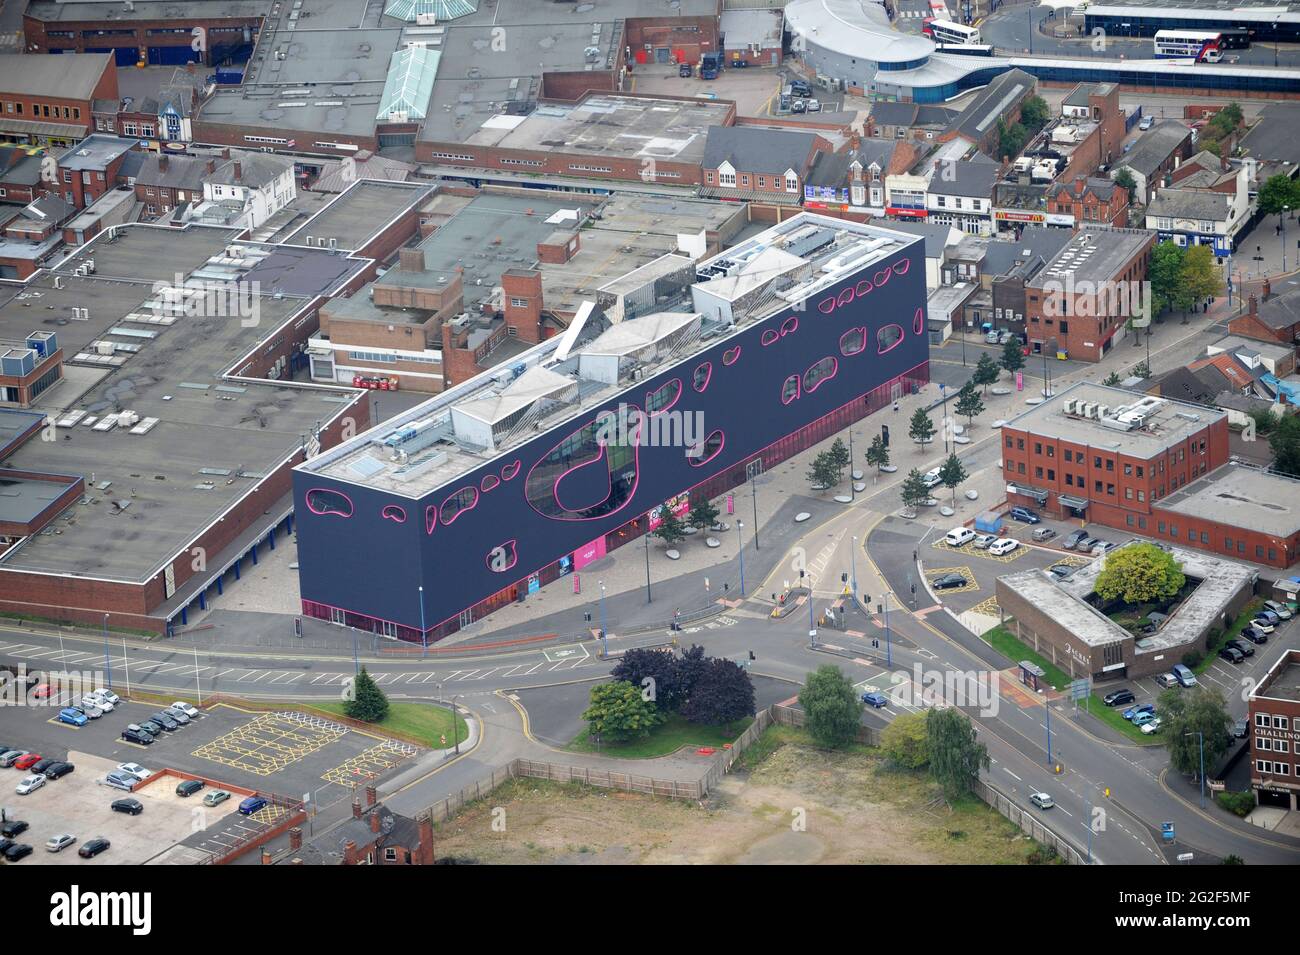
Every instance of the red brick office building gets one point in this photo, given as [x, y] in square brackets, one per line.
[1274, 713]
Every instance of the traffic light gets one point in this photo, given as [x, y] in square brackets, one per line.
[587, 616]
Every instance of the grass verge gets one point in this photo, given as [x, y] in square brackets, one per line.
[664, 739]
[425, 722]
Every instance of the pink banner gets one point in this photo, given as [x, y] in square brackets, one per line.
[589, 553]
[681, 506]
[731, 504]
[1020, 381]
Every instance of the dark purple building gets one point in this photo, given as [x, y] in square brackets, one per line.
[670, 385]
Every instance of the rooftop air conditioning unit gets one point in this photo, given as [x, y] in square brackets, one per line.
[1068, 406]
[1103, 411]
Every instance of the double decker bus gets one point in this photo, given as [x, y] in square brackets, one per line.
[948, 33]
[1202, 46]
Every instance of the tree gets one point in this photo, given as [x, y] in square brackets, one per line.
[1277, 192]
[1140, 573]
[723, 694]
[1112, 379]
[906, 741]
[1034, 113]
[921, 428]
[956, 756]
[839, 453]
[1285, 442]
[823, 473]
[1125, 178]
[617, 711]
[1164, 273]
[690, 665]
[1011, 139]
[878, 454]
[969, 403]
[671, 530]
[1186, 718]
[1140, 370]
[656, 673]
[832, 706]
[703, 514]
[987, 372]
[368, 702]
[951, 474]
[1200, 275]
[1013, 359]
[913, 490]
[1264, 419]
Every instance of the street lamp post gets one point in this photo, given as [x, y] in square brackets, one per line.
[455, 727]
[604, 646]
[852, 481]
[753, 493]
[853, 568]
[740, 549]
[648, 597]
[812, 623]
[108, 666]
[1202, 746]
[889, 657]
[1285, 210]
[424, 636]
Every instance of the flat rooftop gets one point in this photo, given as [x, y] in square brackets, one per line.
[1164, 424]
[1246, 497]
[356, 216]
[22, 500]
[53, 11]
[203, 439]
[1092, 255]
[437, 450]
[1282, 681]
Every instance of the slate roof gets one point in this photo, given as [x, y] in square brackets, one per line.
[72, 75]
[832, 169]
[182, 172]
[1155, 146]
[1175, 203]
[1104, 189]
[965, 178]
[1041, 241]
[756, 149]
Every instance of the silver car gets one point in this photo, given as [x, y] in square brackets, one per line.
[60, 842]
[11, 757]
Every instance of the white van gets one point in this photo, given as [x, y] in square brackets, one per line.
[959, 536]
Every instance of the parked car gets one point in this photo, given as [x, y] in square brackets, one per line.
[165, 721]
[188, 787]
[60, 842]
[1003, 545]
[216, 797]
[1146, 123]
[982, 541]
[959, 536]
[134, 769]
[108, 696]
[59, 770]
[800, 88]
[1141, 719]
[1270, 616]
[1242, 647]
[875, 699]
[182, 718]
[1183, 675]
[73, 717]
[948, 581]
[1100, 547]
[186, 708]
[1042, 534]
[1262, 623]
[251, 805]
[43, 691]
[17, 851]
[1281, 609]
[132, 807]
[152, 727]
[931, 478]
[1166, 680]
[1135, 710]
[1151, 726]
[1061, 571]
[1231, 655]
[98, 702]
[139, 737]
[92, 710]
[1254, 636]
[1241, 729]
[120, 780]
[1119, 697]
[26, 761]
[7, 759]
[30, 784]
[13, 828]
[1073, 538]
[39, 767]
[1086, 545]
[93, 847]
[1042, 800]
[1024, 515]
[814, 106]
[798, 106]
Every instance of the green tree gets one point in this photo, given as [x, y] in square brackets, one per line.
[823, 473]
[1112, 379]
[1011, 139]
[1034, 113]
[969, 403]
[1265, 420]
[656, 672]
[921, 428]
[367, 701]
[1200, 275]
[703, 514]
[1164, 273]
[1140, 370]
[1213, 146]
[833, 709]
[1187, 717]
[1278, 192]
[619, 711]
[1125, 178]
[905, 741]
[722, 694]
[951, 474]
[913, 490]
[1013, 357]
[671, 529]
[956, 755]
[1140, 573]
[987, 372]
[877, 453]
[1285, 442]
[839, 452]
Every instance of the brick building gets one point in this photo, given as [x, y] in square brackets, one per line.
[91, 168]
[375, 835]
[671, 39]
[49, 99]
[1094, 114]
[1273, 711]
[1089, 200]
[1275, 319]
[1078, 305]
[165, 182]
[29, 367]
[758, 164]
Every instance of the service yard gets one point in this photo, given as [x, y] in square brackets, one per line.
[857, 809]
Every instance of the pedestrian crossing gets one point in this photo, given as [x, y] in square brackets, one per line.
[11, 41]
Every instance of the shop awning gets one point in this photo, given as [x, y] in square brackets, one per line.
[31, 127]
[1078, 503]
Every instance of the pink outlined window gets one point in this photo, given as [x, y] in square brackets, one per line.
[888, 337]
[510, 471]
[918, 322]
[489, 482]
[901, 266]
[863, 287]
[503, 557]
[707, 451]
[853, 342]
[588, 447]
[731, 356]
[790, 325]
[466, 499]
[826, 305]
[430, 518]
[700, 379]
[821, 371]
[393, 512]
[881, 277]
[790, 389]
[770, 337]
[664, 397]
[326, 502]
[845, 297]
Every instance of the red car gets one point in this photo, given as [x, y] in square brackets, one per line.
[42, 692]
[28, 761]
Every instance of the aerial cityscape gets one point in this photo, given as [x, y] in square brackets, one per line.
[596, 432]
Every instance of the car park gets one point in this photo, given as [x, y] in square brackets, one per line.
[72, 717]
[1141, 719]
[1241, 729]
[1151, 726]
[798, 106]
[1042, 800]
[982, 541]
[1183, 675]
[101, 704]
[11, 757]
[1003, 545]
[1262, 623]
[93, 847]
[59, 770]
[251, 805]
[60, 842]
[188, 787]
[1231, 655]
[959, 536]
[1073, 538]
[1281, 609]
[132, 807]
[1254, 636]
[26, 761]
[120, 780]
[1270, 616]
[814, 106]
[139, 737]
[165, 721]
[215, 798]
[134, 769]
[875, 699]
[1166, 680]
[1135, 710]
[948, 581]
[1244, 648]
[186, 708]
[91, 711]
[1119, 697]
[30, 784]
[800, 88]
[13, 828]
[17, 851]
[152, 727]
[1101, 547]
[1024, 515]
[179, 716]
[1086, 545]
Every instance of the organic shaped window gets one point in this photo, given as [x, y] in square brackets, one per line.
[327, 503]
[846, 296]
[863, 287]
[502, 557]
[901, 266]
[663, 398]
[731, 356]
[393, 512]
[430, 518]
[881, 277]
[702, 454]
[918, 322]
[489, 482]
[823, 370]
[509, 471]
[826, 305]
[888, 337]
[790, 390]
[700, 379]
[599, 476]
[789, 325]
[853, 341]
[463, 500]
[770, 336]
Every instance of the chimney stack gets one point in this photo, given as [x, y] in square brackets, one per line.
[162, 162]
[356, 808]
[425, 852]
[295, 838]
[1080, 183]
[266, 857]
[1254, 304]
[374, 822]
[372, 796]
[1268, 289]
[239, 171]
[410, 260]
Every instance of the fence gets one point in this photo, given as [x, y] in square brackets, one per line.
[1027, 822]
